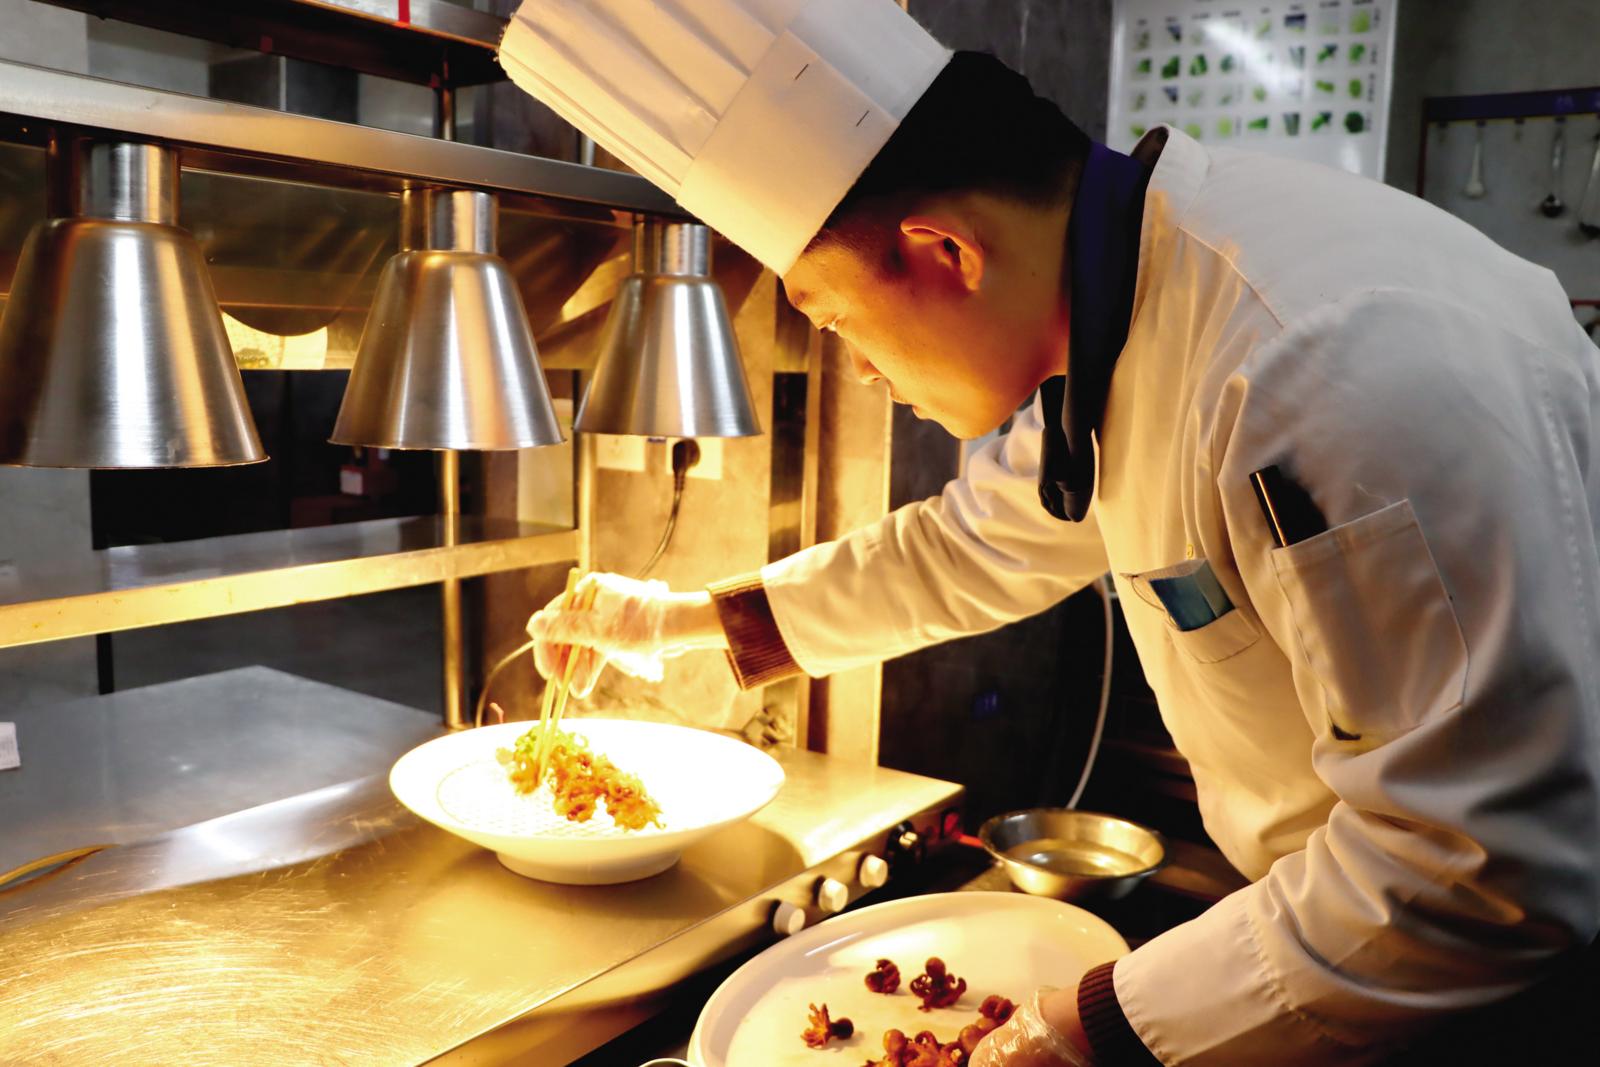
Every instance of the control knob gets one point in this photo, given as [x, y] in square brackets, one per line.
[788, 919]
[833, 896]
[873, 872]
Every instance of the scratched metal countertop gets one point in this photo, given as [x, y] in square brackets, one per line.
[334, 927]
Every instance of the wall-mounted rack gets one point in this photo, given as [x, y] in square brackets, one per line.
[1544, 103]
[1561, 106]
[1442, 111]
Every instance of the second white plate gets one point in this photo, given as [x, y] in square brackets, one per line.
[1005, 943]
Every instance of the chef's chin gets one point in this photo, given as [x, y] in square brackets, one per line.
[961, 430]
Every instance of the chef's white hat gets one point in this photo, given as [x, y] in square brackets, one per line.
[757, 115]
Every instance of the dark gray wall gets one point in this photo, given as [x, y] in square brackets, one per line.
[1063, 46]
[1007, 713]
[1461, 47]
[1477, 47]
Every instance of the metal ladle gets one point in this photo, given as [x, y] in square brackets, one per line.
[1475, 189]
[1589, 209]
[1552, 206]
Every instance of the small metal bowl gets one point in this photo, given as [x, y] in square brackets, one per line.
[1073, 855]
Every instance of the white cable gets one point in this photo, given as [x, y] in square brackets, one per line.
[1101, 586]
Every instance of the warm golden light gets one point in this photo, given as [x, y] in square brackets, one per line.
[255, 349]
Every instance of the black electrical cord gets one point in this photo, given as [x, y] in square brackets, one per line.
[685, 454]
[1066, 723]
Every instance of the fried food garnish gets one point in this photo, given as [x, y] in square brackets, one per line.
[924, 1050]
[580, 780]
[936, 987]
[997, 1008]
[884, 978]
[823, 1029]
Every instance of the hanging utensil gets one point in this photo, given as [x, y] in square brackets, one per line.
[1475, 189]
[1589, 209]
[1552, 206]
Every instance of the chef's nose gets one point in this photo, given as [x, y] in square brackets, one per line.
[865, 371]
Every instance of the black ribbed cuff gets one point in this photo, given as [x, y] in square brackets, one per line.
[1111, 1038]
[756, 649]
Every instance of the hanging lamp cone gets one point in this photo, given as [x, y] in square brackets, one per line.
[447, 358]
[112, 349]
[669, 363]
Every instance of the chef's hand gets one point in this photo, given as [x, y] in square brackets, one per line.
[635, 625]
[1044, 1032]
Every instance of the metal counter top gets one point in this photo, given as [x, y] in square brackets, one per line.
[335, 927]
[126, 766]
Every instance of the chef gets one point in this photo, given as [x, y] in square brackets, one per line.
[1339, 453]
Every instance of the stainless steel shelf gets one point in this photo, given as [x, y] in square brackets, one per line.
[422, 41]
[239, 139]
[152, 585]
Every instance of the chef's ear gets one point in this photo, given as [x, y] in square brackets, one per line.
[947, 244]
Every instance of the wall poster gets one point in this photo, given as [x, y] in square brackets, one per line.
[1308, 79]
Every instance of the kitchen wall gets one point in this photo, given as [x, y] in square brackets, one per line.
[1063, 46]
[1008, 713]
[44, 514]
[1460, 49]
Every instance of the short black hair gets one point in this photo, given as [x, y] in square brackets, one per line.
[979, 126]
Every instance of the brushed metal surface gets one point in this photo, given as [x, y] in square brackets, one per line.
[447, 358]
[663, 248]
[669, 363]
[240, 139]
[452, 637]
[449, 220]
[132, 586]
[126, 766]
[125, 181]
[112, 349]
[418, 41]
[336, 928]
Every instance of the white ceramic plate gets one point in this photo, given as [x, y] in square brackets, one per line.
[701, 780]
[1005, 943]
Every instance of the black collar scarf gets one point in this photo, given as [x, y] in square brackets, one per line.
[1102, 270]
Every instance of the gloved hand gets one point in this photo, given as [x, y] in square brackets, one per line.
[1026, 1040]
[609, 618]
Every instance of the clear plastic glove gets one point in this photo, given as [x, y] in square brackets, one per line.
[1026, 1040]
[612, 619]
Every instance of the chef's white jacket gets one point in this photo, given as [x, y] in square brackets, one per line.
[1435, 396]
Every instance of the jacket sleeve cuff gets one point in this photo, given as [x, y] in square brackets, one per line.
[756, 648]
[1112, 1039]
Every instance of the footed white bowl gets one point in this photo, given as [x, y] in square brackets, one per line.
[702, 781]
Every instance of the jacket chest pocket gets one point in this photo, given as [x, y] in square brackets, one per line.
[1375, 624]
[1215, 642]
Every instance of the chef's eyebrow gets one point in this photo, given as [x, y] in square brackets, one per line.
[798, 298]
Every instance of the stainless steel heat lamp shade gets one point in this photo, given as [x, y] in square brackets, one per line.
[112, 349]
[669, 363]
[447, 359]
